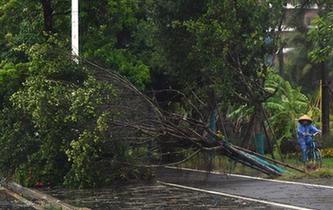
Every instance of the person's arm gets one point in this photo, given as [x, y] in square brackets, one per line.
[313, 130]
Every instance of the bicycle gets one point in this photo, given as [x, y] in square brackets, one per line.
[313, 154]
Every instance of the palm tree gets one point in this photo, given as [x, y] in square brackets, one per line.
[299, 70]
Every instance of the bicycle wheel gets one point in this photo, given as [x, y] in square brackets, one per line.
[314, 158]
[317, 157]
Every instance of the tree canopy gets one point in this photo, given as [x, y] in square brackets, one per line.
[60, 120]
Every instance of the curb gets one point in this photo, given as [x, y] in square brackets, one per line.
[31, 196]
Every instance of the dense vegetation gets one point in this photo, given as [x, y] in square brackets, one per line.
[54, 121]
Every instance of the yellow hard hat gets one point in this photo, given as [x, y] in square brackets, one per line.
[305, 117]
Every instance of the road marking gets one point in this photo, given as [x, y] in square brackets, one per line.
[234, 196]
[257, 178]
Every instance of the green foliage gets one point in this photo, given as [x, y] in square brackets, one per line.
[310, 44]
[283, 109]
[115, 42]
[321, 35]
[286, 106]
[55, 116]
[11, 77]
[126, 64]
[21, 23]
[299, 69]
[218, 46]
[55, 127]
[327, 152]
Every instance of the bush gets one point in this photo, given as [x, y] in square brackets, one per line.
[55, 127]
[327, 152]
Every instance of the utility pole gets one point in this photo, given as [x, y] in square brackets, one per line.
[75, 29]
[325, 100]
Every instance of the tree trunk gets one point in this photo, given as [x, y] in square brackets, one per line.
[212, 107]
[268, 140]
[259, 118]
[281, 62]
[325, 104]
[258, 129]
[249, 133]
[47, 12]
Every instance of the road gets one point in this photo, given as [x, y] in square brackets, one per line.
[10, 203]
[298, 195]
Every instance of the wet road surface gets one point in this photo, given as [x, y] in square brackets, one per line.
[302, 196]
[7, 202]
[152, 197]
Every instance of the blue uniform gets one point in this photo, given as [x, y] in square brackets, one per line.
[304, 137]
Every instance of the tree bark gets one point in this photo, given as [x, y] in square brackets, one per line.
[268, 140]
[281, 62]
[249, 133]
[325, 104]
[48, 16]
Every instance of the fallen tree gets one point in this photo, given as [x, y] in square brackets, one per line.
[153, 122]
[87, 126]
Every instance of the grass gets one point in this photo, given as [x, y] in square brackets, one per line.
[328, 162]
[218, 163]
[223, 164]
[326, 171]
[52, 208]
[323, 173]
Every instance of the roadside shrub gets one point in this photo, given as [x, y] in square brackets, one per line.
[55, 127]
[327, 152]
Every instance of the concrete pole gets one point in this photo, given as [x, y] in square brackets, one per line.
[75, 29]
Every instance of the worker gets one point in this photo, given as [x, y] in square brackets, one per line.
[305, 133]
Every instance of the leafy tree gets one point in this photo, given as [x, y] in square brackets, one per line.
[58, 118]
[53, 119]
[114, 37]
[56, 127]
[320, 34]
[287, 105]
[218, 50]
[282, 109]
[111, 39]
[299, 68]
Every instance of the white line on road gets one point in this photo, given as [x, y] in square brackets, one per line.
[257, 178]
[235, 196]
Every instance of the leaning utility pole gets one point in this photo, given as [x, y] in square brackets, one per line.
[325, 99]
[75, 29]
